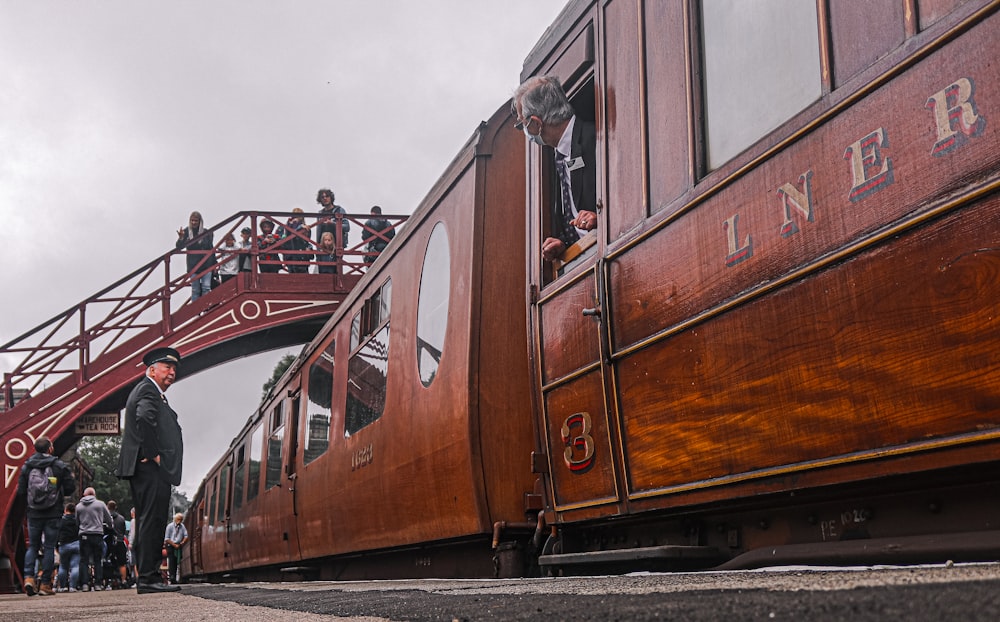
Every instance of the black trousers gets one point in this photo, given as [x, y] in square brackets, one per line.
[91, 558]
[152, 506]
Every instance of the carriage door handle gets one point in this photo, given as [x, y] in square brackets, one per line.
[595, 312]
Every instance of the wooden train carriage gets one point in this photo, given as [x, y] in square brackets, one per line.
[792, 287]
[405, 428]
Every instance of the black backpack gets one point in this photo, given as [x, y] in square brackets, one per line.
[42, 493]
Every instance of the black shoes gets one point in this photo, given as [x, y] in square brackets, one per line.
[155, 588]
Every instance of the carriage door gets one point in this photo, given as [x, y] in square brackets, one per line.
[197, 526]
[569, 337]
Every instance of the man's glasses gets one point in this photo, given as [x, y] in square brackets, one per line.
[520, 124]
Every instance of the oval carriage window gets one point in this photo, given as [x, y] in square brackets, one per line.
[432, 305]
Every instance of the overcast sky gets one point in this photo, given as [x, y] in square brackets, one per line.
[120, 117]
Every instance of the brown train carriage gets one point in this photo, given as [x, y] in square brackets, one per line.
[403, 431]
[784, 332]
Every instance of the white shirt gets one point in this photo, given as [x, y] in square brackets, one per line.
[175, 532]
[565, 147]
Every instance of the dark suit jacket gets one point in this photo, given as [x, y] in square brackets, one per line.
[151, 430]
[583, 179]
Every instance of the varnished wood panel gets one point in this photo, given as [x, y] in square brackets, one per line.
[579, 406]
[576, 59]
[569, 339]
[894, 347]
[668, 128]
[623, 120]
[862, 33]
[930, 11]
[501, 375]
[690, 267]
[423, 436]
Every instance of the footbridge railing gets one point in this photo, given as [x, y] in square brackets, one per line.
[67, 344]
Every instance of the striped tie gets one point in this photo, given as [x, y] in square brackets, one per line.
[565, 231]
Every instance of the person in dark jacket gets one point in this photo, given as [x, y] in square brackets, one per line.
[43, 522]
[200, 254]
[547, 118]
[117, 550]
[151, 459]
[378, 231]
[69, 550]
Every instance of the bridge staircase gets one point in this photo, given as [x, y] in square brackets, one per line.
[86, 359]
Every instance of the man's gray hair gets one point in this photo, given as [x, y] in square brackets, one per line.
[544, 97]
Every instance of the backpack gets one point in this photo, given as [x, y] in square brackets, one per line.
[42, 493]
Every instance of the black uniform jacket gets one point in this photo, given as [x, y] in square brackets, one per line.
[151, 430]
[583, 179]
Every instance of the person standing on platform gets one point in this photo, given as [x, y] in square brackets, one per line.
[151, 460]
[117, 550]
[69, 550]
[44, 482]
[174, 538]
[94, 519]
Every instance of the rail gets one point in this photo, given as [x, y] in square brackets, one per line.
[67, 343]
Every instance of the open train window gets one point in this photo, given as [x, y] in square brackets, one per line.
[256, 453]
[369, 365]
[275, 443]
[584, 180]
[761, 67]
[432, 304]
[317, 427]
[238, 475]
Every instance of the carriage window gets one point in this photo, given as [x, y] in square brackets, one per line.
[385, 297]
[320, 399]
[432, 304]
[366, 372]
[274, 446]
[223, 487]
[356, 330]
[238, 475]
[762, 66]
[214, 488]
[256, 443]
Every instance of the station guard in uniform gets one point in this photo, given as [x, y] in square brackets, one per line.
[151, 460]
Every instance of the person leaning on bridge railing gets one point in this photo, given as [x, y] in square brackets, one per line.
[229, 258]
[199, 247]
[378, 231]
[246, 243]
[290, 233]
[326, 254]
[269, 261]
[329, 210]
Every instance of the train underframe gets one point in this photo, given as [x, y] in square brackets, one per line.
[884, 521]
[925, 518]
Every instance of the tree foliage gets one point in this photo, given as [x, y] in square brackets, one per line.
[279, 370]
[100, 453]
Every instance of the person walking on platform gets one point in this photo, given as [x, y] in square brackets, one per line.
[151, 460]
[44, 482]
[94, 519]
